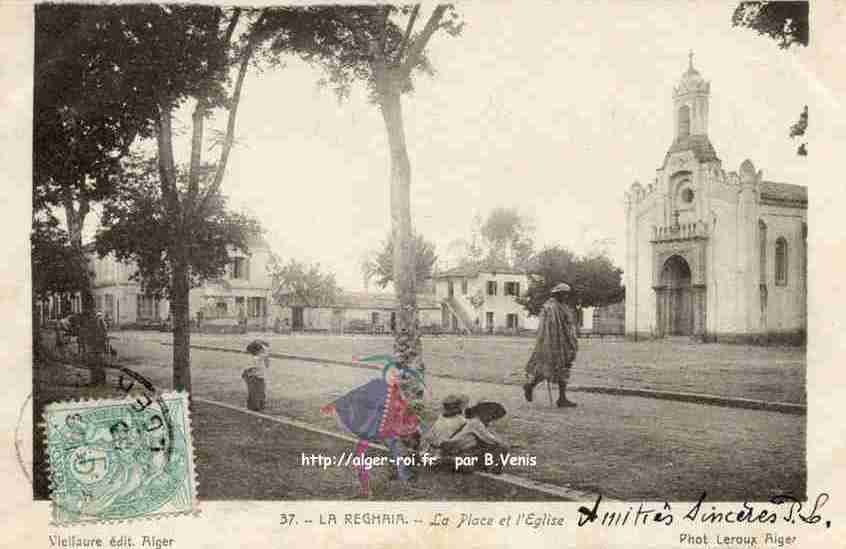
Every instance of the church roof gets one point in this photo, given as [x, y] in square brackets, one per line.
[783, 192]
[700, 145]
[691, 77]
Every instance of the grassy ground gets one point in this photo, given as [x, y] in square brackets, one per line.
[623, 447]
[774, 374]
[239, 456]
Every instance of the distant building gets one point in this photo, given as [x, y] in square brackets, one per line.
[482, 300]
[714, 255]
[244, 289]
[354, 312]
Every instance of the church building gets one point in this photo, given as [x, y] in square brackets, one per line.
[713, 255]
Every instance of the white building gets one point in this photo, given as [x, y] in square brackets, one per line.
[245, 286]
[715, 255]
[482, 300]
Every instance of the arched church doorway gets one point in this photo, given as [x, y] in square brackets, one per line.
[678, 297]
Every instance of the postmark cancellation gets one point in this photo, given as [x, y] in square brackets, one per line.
[117, 460]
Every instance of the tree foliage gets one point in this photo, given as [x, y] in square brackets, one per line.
[165, 57]
[298, 284]
[378, 46]
[503, 238]
[86, 116]
[135, 228]
[508, 237]
[787, 24]
[380, 266]
[375, 45]
[784, 22]
[798, 130]
[593, 279]
[56, 265]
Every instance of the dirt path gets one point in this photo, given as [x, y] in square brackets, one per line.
[626, 448]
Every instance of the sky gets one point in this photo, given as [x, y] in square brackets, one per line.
[555, 110]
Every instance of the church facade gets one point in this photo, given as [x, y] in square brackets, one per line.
[713, 255]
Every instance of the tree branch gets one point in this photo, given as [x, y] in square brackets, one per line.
[383, 30]
[411, 20]
[230, 29]
[228, 139]
[167, 170]
[198, 123]
[416, 48]
[377, 54]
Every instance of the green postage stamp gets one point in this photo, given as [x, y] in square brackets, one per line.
[114, 460]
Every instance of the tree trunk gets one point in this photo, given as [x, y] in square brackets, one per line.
[180, 315]
[36, 328]
[95, 357]
[75, 218]
[407, 345]
[178, 252]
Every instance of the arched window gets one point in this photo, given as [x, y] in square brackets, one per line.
[684, 121]
[781, 262]
[762, 244]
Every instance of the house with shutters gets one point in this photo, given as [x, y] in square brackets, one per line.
[482, 300]
[244, 289]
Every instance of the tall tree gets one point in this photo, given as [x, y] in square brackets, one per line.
[56, 266]
[134, 228]
[381, 265]
[549, 267]
[593, 279]
[503, 238]
[508, 236]
[173, 56]
[298, 284]
[382, 47]
[787, 24]
[86, 116]
[596, 281]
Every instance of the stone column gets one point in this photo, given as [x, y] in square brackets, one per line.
[663, 310]
[699, 310]
[747, 282]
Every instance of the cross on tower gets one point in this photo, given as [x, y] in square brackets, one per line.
[690, 59]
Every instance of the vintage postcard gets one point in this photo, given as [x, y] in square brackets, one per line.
[487, 273]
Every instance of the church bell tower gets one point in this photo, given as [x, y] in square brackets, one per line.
[690, 99]
[690, 116]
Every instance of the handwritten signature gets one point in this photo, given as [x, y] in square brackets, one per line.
[783, 507]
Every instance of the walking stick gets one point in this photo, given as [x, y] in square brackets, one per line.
[549, 390]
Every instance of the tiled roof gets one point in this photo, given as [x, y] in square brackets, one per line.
[700, 145]
[783, 192]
